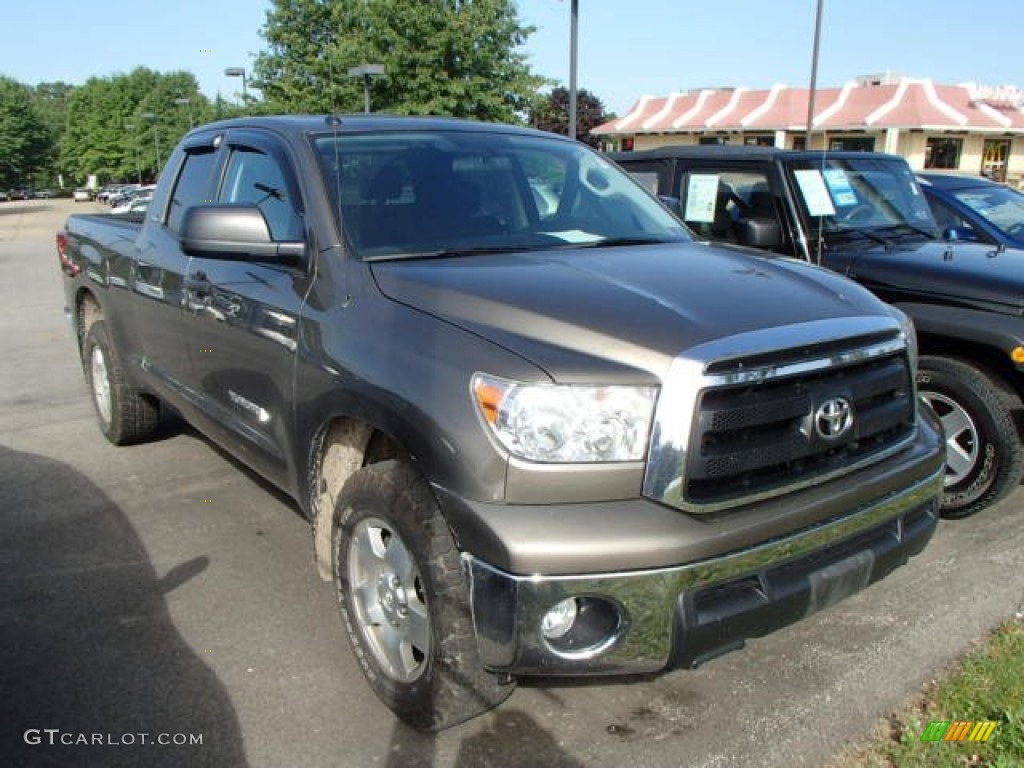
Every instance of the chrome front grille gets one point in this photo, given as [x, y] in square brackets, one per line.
[736, 424]
[753, 437]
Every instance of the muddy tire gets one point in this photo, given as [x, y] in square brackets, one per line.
[404, 600]
[983, 448]
[125, 416]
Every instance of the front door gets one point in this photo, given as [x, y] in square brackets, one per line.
[994, 157]
[243, 315]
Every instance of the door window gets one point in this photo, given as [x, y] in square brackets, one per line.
[256, 178]
[193, 185]
[716, 202]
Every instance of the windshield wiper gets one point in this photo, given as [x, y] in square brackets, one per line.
[445, 253]
[866, 234]
[904, 225]
[614, 242]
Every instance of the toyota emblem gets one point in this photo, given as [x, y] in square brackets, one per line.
[833, 418]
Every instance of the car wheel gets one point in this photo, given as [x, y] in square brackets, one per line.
[983, 448]
[125, 416]
[404, 600]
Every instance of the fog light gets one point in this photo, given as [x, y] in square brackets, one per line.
[584, 626]
[559, 619]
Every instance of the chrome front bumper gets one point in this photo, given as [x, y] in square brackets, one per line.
[683, 615]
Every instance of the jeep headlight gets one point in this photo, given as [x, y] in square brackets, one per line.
[566, 423]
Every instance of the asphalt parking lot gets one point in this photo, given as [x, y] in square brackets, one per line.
[162, 590]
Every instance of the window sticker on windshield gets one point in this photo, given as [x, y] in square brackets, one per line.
[839, 185]
[812, 187]
[701, 191]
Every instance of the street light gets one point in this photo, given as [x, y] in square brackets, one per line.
[814, 74]
[573, 25]
[366, 71]
[238, 72]
[185, 100]
[138, 162]
[156, 141]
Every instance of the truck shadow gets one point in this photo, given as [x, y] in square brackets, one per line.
[87, 647]
[511, 738]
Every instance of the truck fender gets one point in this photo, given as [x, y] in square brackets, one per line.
[1001, 332]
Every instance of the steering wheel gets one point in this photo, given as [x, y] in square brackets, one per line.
[862, 212]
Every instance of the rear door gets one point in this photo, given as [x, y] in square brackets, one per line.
[243, 315]
[159, 270]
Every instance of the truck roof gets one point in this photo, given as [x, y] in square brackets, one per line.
[345, 123]
[737, 152]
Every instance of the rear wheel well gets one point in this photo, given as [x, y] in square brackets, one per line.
[341, 448]
[88, 311]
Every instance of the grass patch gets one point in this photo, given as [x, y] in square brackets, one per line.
[988, 684]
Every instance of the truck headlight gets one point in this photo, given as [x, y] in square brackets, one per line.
[566, 423]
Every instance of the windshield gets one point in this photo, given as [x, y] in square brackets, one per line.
[1001, 207]
[407, 194]
[862, 194]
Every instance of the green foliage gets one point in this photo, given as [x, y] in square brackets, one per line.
[458, 58]
[988, 686]
[552, 114]
[25, 142]
[98, 139]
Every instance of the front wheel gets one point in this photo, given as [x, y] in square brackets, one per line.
[404, 600]
[983, 448]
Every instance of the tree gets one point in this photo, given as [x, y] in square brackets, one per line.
[25, 143]
[552, 114]
[447, 57]
[125, 126]
[51, 103]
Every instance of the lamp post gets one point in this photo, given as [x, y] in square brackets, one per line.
[814, 73]
[366, 71]
[156, 140]
[186, 101]
[138, 162]
[238, 72]
[573, 26]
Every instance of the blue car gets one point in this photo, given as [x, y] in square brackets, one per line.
[975, 208]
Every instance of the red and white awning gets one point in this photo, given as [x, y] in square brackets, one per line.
[908, 103]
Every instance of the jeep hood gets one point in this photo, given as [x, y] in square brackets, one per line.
[612, 314]
[968, 274]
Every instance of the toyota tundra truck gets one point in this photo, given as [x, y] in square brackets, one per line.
[863, 215]
[536, 427]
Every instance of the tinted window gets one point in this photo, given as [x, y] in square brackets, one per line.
[193, 185]
[257, 179]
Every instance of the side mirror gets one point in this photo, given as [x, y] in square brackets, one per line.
[234, 232]
[673, 204]
[952, 234]
[759, 233]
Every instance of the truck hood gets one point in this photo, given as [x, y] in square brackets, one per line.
[968, 274]
[619, 314]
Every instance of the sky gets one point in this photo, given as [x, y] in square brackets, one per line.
[627, 48]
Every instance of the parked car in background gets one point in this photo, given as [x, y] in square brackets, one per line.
[123, 203]
[82, 195]
[20, 194]
[43, 194]
[975, 208]
[4, 194]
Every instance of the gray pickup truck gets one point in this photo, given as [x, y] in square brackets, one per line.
[537, 429]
